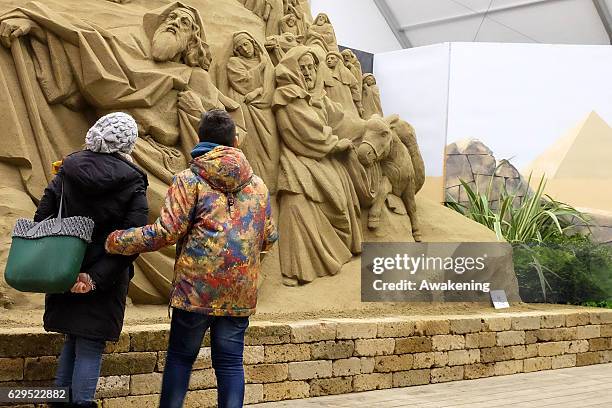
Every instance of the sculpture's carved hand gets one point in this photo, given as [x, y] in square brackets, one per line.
[13, 28]
[190, 102]
[342, 145]
[250, 97]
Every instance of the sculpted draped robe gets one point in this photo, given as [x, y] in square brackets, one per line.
[56, 83]
[371, 99]
[342, 87]
[261, 145]
[319, 208]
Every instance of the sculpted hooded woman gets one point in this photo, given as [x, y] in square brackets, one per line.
[250, 76]
[340, 84]
[319, 208]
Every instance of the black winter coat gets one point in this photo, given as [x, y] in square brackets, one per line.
[112, 192]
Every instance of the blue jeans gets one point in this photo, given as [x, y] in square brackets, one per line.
[227, 346]
[79, 367]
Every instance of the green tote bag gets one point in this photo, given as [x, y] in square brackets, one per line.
[46, 257]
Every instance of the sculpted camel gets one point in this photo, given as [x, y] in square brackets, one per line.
[391, 144]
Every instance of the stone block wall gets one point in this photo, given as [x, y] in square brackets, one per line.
[332, 356]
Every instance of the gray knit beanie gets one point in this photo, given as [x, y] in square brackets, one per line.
[112, 133]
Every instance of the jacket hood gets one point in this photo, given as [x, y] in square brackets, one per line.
[224, 168]
[100, 173]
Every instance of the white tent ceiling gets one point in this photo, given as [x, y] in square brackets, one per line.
[424, 22]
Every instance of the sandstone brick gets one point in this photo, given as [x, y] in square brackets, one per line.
[374, 347]
[606, 330]
[525, 323]
[552, 321]
[30, 344]
[467, 325]
[521, 352]
[332, 350]
[587, 332]
[492, 354]
[412, 345]
[253, 393]
[480, 340]
[308, 332]
[368, 382]
[552, 348]
[531, 336]
[203, 360]
[600, 343]
[577, 319]
[120, 346]
[265, 373]
[564, 361]
[202, 379]
[201, 399]
[445, 374]
[267, 333]
[285, 390]
[600, 317]
[252, 355]
[432, 327]
[367, 365]
[281, 353]
[410, 378]
[114, 386]
[447, 342]
[478, 370]
[306, 370]
[128, 363]
[40, 368]
[510, 338]
[346, 367]
[140, 401]
[11, 369]
[496, 324]
[606, 356]
[423, 360]
[463, 357]
[387, 364]
[144, 384]
[508, 367]
[395, 327]
[356, 329]
[537, 364]
[330, 386]
[149, 338]
[577, 346]
[589, 358]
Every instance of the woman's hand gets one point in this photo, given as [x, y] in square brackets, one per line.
[83, 284]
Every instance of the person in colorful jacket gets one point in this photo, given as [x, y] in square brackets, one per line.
[219, 215]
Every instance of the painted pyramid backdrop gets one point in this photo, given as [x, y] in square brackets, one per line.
[578, 166]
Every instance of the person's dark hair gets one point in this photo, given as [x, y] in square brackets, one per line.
[218, 127]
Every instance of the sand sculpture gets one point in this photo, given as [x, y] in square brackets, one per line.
[61, 70]
[370, 97]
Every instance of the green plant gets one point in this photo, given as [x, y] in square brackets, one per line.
[538, 218]
[551, 264]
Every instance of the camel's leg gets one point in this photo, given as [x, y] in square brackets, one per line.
[376, 209]
[410, 203]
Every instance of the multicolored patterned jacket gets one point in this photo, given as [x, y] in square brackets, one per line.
[219, 215]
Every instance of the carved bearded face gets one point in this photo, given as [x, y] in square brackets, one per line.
[347, 57]
[308, 68]
[172, 36]
[370, 81]
[321, 20]
[331, 61]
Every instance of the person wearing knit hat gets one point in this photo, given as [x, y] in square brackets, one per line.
[113, 133]
[99, 182]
